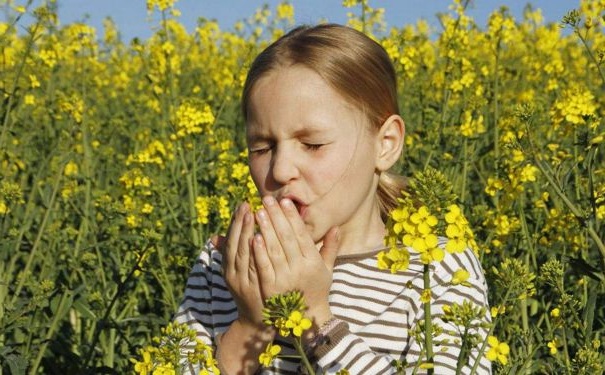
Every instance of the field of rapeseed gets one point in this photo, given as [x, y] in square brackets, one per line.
[119, 158]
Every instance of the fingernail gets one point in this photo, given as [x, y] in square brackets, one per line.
[269, 200]
[262, 214]
[287, 203]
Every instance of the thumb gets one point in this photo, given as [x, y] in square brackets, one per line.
[329, 248]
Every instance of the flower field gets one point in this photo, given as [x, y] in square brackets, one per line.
[118, 159]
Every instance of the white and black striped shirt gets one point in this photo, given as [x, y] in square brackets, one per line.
[379, 308]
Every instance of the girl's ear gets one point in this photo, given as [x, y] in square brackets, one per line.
[390, 142]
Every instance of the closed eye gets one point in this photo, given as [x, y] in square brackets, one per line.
[313, 147]
[260, 151]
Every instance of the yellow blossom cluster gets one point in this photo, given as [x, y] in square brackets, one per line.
[574, 107]
[156, 153]
[177, 343]
[193, 119]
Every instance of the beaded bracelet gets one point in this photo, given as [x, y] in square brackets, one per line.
[323, 331]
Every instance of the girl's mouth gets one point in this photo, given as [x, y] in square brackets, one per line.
[300, 206]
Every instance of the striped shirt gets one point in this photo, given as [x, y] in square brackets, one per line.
[379, 309]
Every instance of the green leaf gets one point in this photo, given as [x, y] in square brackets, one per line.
[84, 309]
[17, 364]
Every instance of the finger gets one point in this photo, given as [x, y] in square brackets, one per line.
[272, 244]
[329, 248]
[282, 230]
[299, 229]
[233, 238]
[242, 256]
[264, 266]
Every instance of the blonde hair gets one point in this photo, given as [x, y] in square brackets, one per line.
[356, 66]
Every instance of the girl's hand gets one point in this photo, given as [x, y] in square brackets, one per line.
[287, 258]
[239, 269]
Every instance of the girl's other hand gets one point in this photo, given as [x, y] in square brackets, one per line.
[239, 269]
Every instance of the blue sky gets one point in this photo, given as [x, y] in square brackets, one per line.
[132, 20]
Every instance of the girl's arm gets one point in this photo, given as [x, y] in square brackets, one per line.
[223, 301]
[339, 348]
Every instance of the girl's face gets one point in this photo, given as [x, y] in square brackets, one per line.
[308, 144]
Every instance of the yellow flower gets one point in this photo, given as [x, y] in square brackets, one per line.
[298, 323]
[193, 117]
[552, 345]
[493, 186]
[285, 11]
[266, 357]
[435, 254]
[460, 277]
[497, 310]
[396, 259]
[3, 208]
[29, 99]
[165, 369]
[555, 313]
[143, 367]
[498, 350]
[70, 169]
[280, 324]
[425, 297]
[424, 220]
[202, 206]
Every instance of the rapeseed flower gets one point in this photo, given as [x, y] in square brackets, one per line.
[396, 259]
[425, 297]
[297, 323]
[269, 354]
[460, 277]
[192, 117]
[145, 366]
[285, 11]
[498, 350]
[202, 206]
[553, 346]
[70, 169]
[574, 106]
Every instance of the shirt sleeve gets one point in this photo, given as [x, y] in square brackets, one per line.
[342, 349]
[207, 306]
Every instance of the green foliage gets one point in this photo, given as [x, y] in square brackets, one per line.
[118, 159]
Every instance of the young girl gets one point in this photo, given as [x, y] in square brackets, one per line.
[323, 128]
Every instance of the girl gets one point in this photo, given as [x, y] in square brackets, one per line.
[322, 128]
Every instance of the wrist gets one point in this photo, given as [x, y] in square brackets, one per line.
[233, 352]
[320, 317]
[320, 335]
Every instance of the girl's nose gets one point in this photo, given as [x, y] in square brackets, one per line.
[284, 167]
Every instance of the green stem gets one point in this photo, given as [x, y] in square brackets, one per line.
[489, 333]
[303, 356]
[38, 239]
[590, 54]
[575, 211]
[100, 323]
[464, 171]
[59, 313]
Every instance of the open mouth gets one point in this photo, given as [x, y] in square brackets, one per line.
[300, 206]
